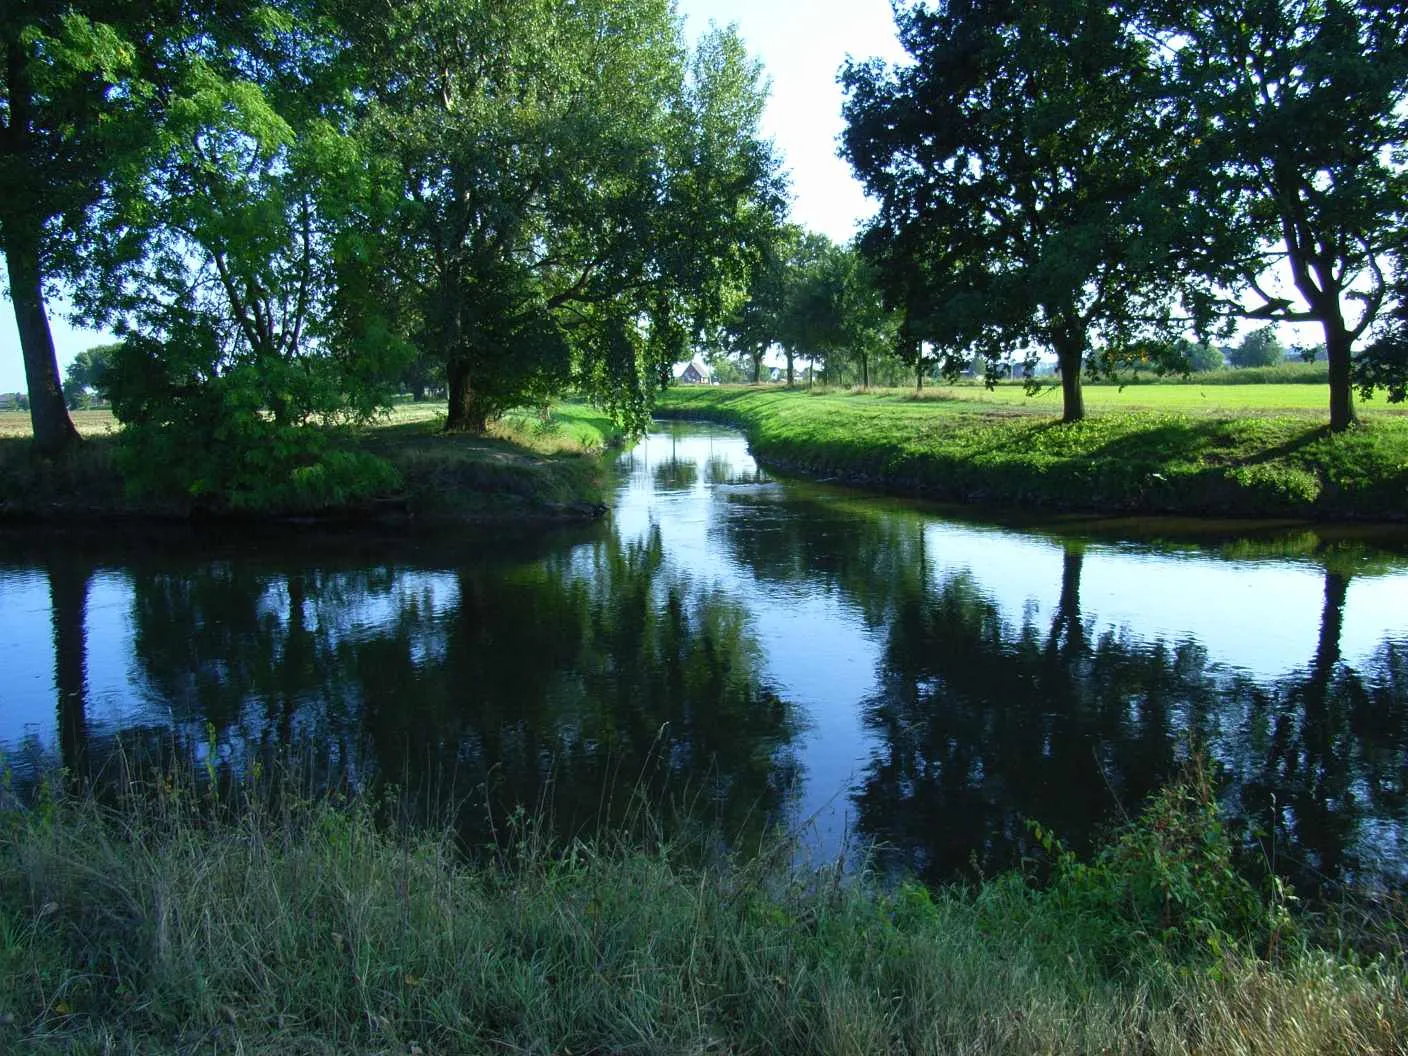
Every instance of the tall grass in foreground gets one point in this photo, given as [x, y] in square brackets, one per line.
[173, 925]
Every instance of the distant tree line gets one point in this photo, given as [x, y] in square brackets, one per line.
[289, 210]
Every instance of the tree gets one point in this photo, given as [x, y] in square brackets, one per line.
[87, 374]
[1201, 357]
[799, 328]
[757, 321]
[578, 199]
[1260, 348]
[835, 309]
[1016, 162]
[1293, 132]
[220, 256]
[64, 91]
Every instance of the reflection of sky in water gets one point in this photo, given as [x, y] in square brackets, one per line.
[26, 659]
[110, 649]
[820, 654]
[1262, 617]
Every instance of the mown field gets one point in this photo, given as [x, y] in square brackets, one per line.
[1263, 458]
[1184, 397]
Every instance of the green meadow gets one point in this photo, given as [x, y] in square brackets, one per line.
[1244, 451]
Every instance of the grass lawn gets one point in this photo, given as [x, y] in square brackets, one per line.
[1269, 458]
[1184, 397]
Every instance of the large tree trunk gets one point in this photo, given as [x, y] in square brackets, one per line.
[53, 429]
[466, 413]
[1337, 350]
[757, 368]
[1067, 630]
[68, 601]
[1070, 352]
[789, 369]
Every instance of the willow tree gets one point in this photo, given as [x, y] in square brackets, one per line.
[580, 195]
[1016, 159]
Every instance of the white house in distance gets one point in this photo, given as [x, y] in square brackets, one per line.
[694, 372]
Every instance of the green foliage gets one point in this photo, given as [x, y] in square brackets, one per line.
[1016, 162]
[577, 196]
[69, 113]
[1201, 357]
[1165, 890]
[87, 375]
[1289, 126]
[1383, 366]
[1260, 348]
[198, 435]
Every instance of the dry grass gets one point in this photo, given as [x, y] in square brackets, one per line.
[170, 927]
[90, 423]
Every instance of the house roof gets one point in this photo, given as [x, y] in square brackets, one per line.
[700, 367]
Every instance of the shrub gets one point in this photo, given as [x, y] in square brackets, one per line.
[198, 435]
[1165, 890]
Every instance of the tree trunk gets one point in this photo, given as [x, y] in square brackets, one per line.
[68, 602]
[466, 414]
[1069, 353]
[789, 368]
[1067, 630]
[53, 428]
[1337, 351]
[865, 372]
[757, 369]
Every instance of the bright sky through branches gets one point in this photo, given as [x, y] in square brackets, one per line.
[801, 43]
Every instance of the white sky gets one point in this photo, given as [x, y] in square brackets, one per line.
[801, 42]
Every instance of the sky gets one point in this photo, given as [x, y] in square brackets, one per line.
[802, 44]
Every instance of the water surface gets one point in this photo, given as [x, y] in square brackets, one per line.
[753, 653]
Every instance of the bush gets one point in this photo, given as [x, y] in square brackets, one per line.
[207, 438]
[1166, 890]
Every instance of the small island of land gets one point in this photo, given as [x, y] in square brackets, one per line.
[536, 467]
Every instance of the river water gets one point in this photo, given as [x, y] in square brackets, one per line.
[752, 653]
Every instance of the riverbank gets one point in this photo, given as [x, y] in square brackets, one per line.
[529, 469]
[174, 923]
[1116, 462]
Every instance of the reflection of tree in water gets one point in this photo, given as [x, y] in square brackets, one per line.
[68, 600]
[564, 683]
[568, 683]
[1328, 758]
[983, 723]
[721, 470]
[675, 474]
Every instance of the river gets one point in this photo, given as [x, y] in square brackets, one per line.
[749, 653]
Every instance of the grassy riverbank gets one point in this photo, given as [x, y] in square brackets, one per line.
[1276, 462]
[528, 468]
[171, 926]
